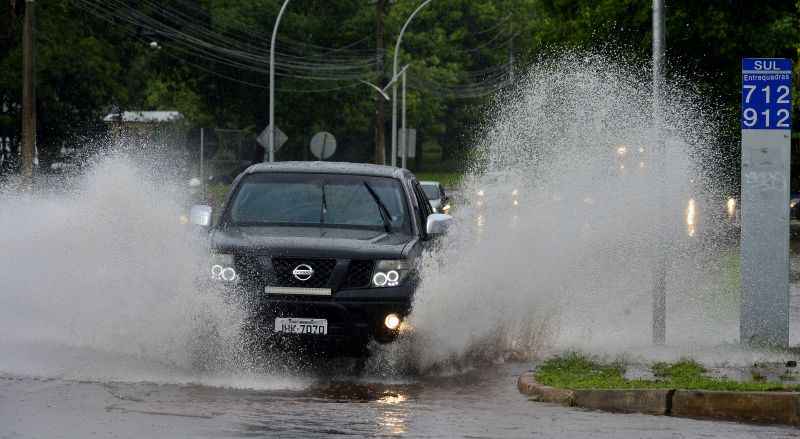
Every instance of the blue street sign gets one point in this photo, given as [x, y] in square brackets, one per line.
[766, 94]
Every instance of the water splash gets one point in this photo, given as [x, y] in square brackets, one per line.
[572, 263]
[99, 282]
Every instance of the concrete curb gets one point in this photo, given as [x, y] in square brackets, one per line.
[527, 385]
[755, 407]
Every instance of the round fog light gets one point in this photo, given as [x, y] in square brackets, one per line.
[392, 321]
[216, 271]
[379, 279]
[228, 274]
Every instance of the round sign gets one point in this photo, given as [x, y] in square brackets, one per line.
[323, 145]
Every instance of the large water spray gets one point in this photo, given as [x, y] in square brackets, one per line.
[100, 281]
[568, 259]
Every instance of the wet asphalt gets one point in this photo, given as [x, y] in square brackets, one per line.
[482, 403]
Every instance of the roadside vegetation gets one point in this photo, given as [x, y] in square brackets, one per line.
[198, 58]
[450, 180]
[577, 371]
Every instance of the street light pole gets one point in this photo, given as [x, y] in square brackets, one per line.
[28, 94]
[272, 84]
[394, 87]
[660, 269]
[404, 146]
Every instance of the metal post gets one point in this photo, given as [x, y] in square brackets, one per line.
[272, 84]
[28, 94]
[202, 164]
[404, 146]
[511, 56]
[660, 269]
[394, 86]
[380, 111]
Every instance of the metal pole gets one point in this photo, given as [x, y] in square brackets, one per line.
[660, 269]
[404, 146]
[272, 84]
[28, 94]
[202, 165]
[380, 105]
[394, 86]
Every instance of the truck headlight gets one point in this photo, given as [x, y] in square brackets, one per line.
[390, 273]
[222, 268]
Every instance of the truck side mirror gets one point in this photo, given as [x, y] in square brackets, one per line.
[438, 223]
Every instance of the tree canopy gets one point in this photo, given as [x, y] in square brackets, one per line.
[209, 60]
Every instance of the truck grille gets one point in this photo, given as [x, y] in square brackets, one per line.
[283, 268]
[359, 274]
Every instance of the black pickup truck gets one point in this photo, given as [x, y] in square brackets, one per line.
[322, 252]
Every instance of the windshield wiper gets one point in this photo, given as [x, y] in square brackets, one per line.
[387, 224]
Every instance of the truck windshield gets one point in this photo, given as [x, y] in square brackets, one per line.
[328, 200]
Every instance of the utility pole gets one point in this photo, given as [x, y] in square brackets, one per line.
[28, 94]
[380, 107]
[660, 268]
[511, 56]
[404, 129]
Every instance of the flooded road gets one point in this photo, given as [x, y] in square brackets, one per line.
[480, 404]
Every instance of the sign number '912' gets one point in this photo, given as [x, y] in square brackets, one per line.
[766, 94]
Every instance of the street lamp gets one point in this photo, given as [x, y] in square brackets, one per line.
[382, 91]
[271, 126]
[394, 86]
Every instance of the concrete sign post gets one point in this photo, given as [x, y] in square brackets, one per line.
[766, 133]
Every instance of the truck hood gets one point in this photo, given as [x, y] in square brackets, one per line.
[311, 242]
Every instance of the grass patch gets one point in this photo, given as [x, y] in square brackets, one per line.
[217, 193]
[448, 179]
[576, 371]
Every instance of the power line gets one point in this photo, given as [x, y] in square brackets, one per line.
[202, 43]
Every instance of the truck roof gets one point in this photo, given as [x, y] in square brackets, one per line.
[345, 168]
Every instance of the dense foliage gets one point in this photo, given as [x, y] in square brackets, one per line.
[210, 60]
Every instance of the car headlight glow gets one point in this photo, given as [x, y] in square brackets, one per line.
[515, 192]
[390, 273]
[392, 321]
[731, 206]
[222, 268]
[480, 192]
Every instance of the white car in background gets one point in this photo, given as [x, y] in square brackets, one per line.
[436, 195]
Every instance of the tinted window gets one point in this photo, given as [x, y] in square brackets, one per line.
[317, 200]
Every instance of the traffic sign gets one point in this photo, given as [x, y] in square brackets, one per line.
[410, 142]
[323, 145]
[766, 93]
[280, 138]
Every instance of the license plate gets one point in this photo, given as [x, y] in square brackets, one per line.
[293, 325]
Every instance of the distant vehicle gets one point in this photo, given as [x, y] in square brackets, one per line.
[499, 189]
[322, 253]
[438, 198]
[794, 206]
